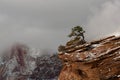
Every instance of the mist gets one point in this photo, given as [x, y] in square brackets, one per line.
[45, 24]
[105, 21]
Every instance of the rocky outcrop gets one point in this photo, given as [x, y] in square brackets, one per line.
[23, 63]
[96, 60]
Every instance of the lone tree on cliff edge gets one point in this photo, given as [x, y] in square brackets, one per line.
[77, 32]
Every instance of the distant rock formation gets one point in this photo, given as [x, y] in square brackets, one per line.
[96, 60]
[17, 63]
[48, 68]
[24, 63]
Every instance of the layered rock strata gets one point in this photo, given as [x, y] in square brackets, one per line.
[96, 60]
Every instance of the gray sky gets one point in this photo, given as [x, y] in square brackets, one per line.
[45, 24]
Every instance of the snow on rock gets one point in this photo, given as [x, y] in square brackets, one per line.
[96, 45]
[48, 68]
[18, 65]
[99, 60]
[24, 63]
[34, 52]
[117, 34]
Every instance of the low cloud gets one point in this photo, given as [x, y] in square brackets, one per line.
[105, 20]
[45, 24]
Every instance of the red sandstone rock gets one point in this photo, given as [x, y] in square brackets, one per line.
[96, 60]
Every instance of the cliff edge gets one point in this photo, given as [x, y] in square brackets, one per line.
[96, 60]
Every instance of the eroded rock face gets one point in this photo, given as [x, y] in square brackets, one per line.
[17, 63]
[97, 60]
[23, 63]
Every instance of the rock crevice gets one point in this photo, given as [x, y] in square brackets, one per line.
[96, 60]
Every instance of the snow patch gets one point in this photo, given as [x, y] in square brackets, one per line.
[67, 54]
[34, 52]
[96, 45]
[117, 34]
[116, 58]
[118, 76]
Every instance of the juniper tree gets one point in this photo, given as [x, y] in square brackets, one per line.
[77, 32]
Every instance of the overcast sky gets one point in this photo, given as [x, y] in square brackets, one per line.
[45, 24]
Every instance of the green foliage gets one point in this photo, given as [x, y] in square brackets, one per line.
[76, 32]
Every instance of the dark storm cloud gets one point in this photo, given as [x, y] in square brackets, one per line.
[43, 23]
